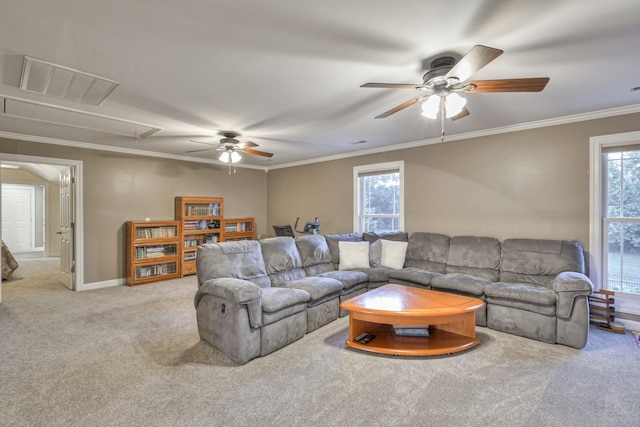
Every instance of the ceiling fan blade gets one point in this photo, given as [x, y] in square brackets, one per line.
[474, 60]
[535, 84]
[394, 85]
[461, 114]
[394, 110]
[247, 144]
[198, 151]
[256, 152]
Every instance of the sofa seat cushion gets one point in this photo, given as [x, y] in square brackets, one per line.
[350, 279]
[278, 303]
[377, 274]
[414, 275]
[525, 296]
[319, 288]
[460, 283]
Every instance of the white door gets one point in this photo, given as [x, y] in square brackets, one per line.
[17, 217]
[67, 223]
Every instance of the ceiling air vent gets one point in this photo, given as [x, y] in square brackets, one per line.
[64, 83]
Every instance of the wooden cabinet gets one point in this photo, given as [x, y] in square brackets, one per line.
[152, 251]
[238, 229]
[200, 222]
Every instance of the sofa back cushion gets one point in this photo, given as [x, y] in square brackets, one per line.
[396, 236]
[239, 260]
[539, 261]
[282, 260]
[427, 251]
[333, 241]
[315, 254]
[476, 256]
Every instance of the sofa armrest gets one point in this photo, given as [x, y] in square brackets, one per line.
[569, 286]
[237, 291]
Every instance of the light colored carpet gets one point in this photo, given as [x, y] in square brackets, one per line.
[132, 356]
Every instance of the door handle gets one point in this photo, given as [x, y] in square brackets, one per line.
[58, 232]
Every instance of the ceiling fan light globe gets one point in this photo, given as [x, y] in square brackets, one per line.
[431, 106]
[224, 157]
[235, 157]
[454, 104]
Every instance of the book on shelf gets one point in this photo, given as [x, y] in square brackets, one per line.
[155, 251]
[195, 242]
[212, 209]
[155, 232]
[155, 254]
[411, 331]
[237, 227]
[155, 270]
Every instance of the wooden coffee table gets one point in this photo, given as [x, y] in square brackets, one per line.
[451, 320]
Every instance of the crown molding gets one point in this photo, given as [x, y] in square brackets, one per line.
[132, 151]
[619, 111]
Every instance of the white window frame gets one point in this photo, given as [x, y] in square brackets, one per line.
[357, 194]
[625, 302]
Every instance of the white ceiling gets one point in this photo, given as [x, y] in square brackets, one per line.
[286, 74]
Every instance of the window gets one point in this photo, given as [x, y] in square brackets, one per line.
[379, 197]
[614, 218]
[622, 219]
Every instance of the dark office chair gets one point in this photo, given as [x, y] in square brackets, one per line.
[283, 230]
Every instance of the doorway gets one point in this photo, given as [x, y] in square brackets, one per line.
[50, 168]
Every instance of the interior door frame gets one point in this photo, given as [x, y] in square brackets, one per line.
[79, 225]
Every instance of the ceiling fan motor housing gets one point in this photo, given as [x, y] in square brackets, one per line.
[439, 69]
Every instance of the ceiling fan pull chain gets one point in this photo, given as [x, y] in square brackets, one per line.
[442, 113]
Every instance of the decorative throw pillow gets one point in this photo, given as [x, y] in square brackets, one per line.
[375, 253]
[393, 254]
[353, 255]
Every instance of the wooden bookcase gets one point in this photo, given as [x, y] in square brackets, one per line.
[238, 229]
[152, 251]
[200, 222]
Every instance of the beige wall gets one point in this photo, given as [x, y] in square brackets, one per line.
[121, 187]
[532, 183]
[52, 205]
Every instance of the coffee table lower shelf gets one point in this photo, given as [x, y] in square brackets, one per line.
[438, 342]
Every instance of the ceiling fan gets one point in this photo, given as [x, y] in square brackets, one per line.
[446, 79]
[231, 147]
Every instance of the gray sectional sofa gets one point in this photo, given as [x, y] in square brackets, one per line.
[255, 297]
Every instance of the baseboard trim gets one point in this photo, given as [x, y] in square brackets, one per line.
[100, 285]
[630, 325]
